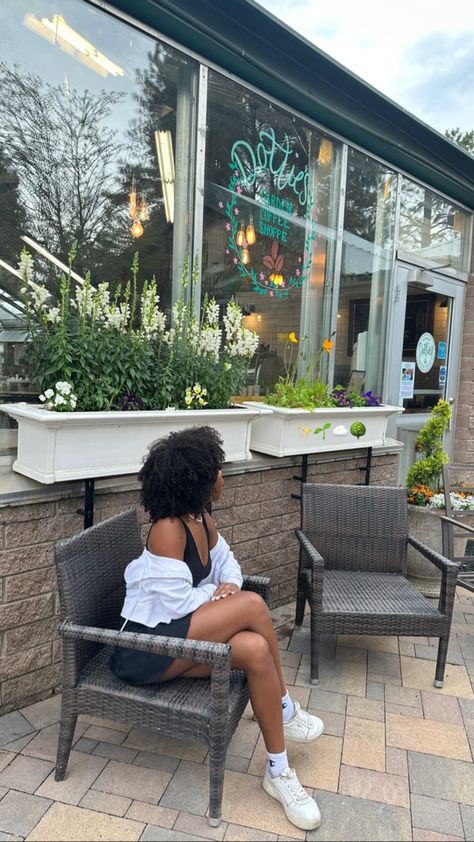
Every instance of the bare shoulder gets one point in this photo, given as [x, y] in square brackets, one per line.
[211, 525]
[167, 538]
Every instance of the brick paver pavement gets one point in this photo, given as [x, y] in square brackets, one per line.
[394, 762]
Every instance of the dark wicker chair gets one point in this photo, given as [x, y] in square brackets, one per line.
[449, 528]
[90, 570]
[459, 477]
[353, 569]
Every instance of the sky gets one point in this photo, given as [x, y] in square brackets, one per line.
[420, 53]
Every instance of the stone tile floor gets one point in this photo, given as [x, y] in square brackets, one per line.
[394, 763]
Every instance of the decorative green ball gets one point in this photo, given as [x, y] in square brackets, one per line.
[358, 429]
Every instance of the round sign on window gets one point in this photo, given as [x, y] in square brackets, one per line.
[425, 352]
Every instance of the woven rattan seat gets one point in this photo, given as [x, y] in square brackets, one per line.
[90, 570]
[372, 593]
[353, 569]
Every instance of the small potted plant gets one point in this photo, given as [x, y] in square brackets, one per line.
[115, 373]
[426, 499]
[309, 417]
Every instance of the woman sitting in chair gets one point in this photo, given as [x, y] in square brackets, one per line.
[186, 584]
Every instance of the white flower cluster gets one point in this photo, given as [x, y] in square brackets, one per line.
[25, 267]
[84, 300]
[196, 396]
[61, 400]
[153, 320]
[458, 503]
[117, 317]
[239, 341]
[39, 296]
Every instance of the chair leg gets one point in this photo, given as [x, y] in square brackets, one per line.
[300, 605]
[216, 784]
[315, 647]
[441, 661]
[66, 734]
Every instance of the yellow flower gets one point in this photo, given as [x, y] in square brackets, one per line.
[292, 337]
[327, 345]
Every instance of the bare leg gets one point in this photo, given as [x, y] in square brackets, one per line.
[230, 621]
[244, 611]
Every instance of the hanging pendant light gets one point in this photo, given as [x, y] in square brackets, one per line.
[250, 235]
[245, 256]
[137, 229]
[132, 200]
[143, 211]
[240, 236]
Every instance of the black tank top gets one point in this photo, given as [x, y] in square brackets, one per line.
[191, 557]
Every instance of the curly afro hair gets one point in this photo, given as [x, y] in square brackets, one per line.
[179, 474]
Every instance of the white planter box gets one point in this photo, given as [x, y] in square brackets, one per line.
[56, 446]
[289, 432]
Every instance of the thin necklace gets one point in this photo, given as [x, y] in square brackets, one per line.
[197, 518]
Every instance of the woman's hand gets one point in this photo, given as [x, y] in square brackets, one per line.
[225, 589]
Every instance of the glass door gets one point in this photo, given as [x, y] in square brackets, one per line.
[423, 352]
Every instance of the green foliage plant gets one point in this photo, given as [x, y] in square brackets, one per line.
[118, 350]
[306, 392]
[426, 472]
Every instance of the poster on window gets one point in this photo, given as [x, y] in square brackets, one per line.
[407, 380]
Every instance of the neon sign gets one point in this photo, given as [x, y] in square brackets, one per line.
[252, 170]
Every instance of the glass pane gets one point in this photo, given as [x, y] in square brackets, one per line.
[271, 196]
[367, 256]
[427, 315]
[431, 228]
[96, 131]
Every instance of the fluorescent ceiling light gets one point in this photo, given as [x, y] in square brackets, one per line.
[57, 31]
[52, 259]
[164, 151]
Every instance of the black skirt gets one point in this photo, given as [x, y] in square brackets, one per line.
[146, 667]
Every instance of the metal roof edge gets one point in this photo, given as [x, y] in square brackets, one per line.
[251, 43]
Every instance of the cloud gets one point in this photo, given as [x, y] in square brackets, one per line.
[437, 80]
[415, 52]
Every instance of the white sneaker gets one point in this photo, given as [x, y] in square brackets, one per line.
[301, 810]
[303, 727]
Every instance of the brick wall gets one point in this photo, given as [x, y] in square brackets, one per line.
[464, 433]
[256, 515]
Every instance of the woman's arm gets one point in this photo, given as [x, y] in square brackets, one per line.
[163, 591]
[225, 568]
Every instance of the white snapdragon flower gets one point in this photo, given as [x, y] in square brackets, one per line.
[210, 342]
[212, 313]
[169, 336]
[84, 300]
[117, 317]
[53, 315]
[153, 320]
[39, 295]
[25, 267]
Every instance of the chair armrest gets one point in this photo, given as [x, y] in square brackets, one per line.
[458, 523]
[444, 564]
[316, 559]
[200, 651]
[258, 584]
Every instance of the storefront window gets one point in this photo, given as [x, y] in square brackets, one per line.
[367, 257]
[271, 196]
[96, 138]
[432, 229]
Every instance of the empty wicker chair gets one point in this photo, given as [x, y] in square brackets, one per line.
[90, 569]
[353, 569]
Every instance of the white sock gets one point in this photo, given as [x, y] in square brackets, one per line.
[277, 763]
[288, 707]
